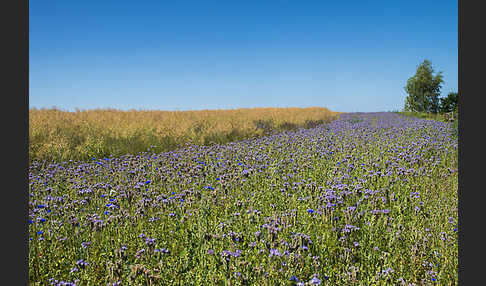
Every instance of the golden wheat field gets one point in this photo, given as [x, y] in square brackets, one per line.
[56, 135]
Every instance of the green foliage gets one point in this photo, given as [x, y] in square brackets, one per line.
[393, 193]
[355, 119]
[449, 103]
[423, 89]
[425, 115]
[266, 125]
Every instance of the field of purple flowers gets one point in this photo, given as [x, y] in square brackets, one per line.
[370, 198]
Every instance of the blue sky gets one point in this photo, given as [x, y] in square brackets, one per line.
[187, 55]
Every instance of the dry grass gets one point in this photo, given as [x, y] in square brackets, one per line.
[56, 135]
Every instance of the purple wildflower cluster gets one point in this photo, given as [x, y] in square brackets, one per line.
[285, 205]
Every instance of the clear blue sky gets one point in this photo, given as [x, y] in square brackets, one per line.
[188, 55]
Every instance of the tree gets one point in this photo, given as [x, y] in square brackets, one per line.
[423, 89]
[449, 103]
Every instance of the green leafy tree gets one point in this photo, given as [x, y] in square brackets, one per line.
[423, 89]
[449, 103]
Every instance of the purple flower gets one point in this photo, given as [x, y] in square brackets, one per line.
[81, 263]
[387, 271]
[150, 241]
[162, 250]
[315, 281]
[274, 252]
[227, 253]
[152, 219]
[139, 253]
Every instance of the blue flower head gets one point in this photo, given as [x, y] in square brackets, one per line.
[315, 281]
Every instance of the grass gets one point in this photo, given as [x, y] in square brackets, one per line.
[433, 116]
[425, 115]
[56, 135]
[368, 199]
